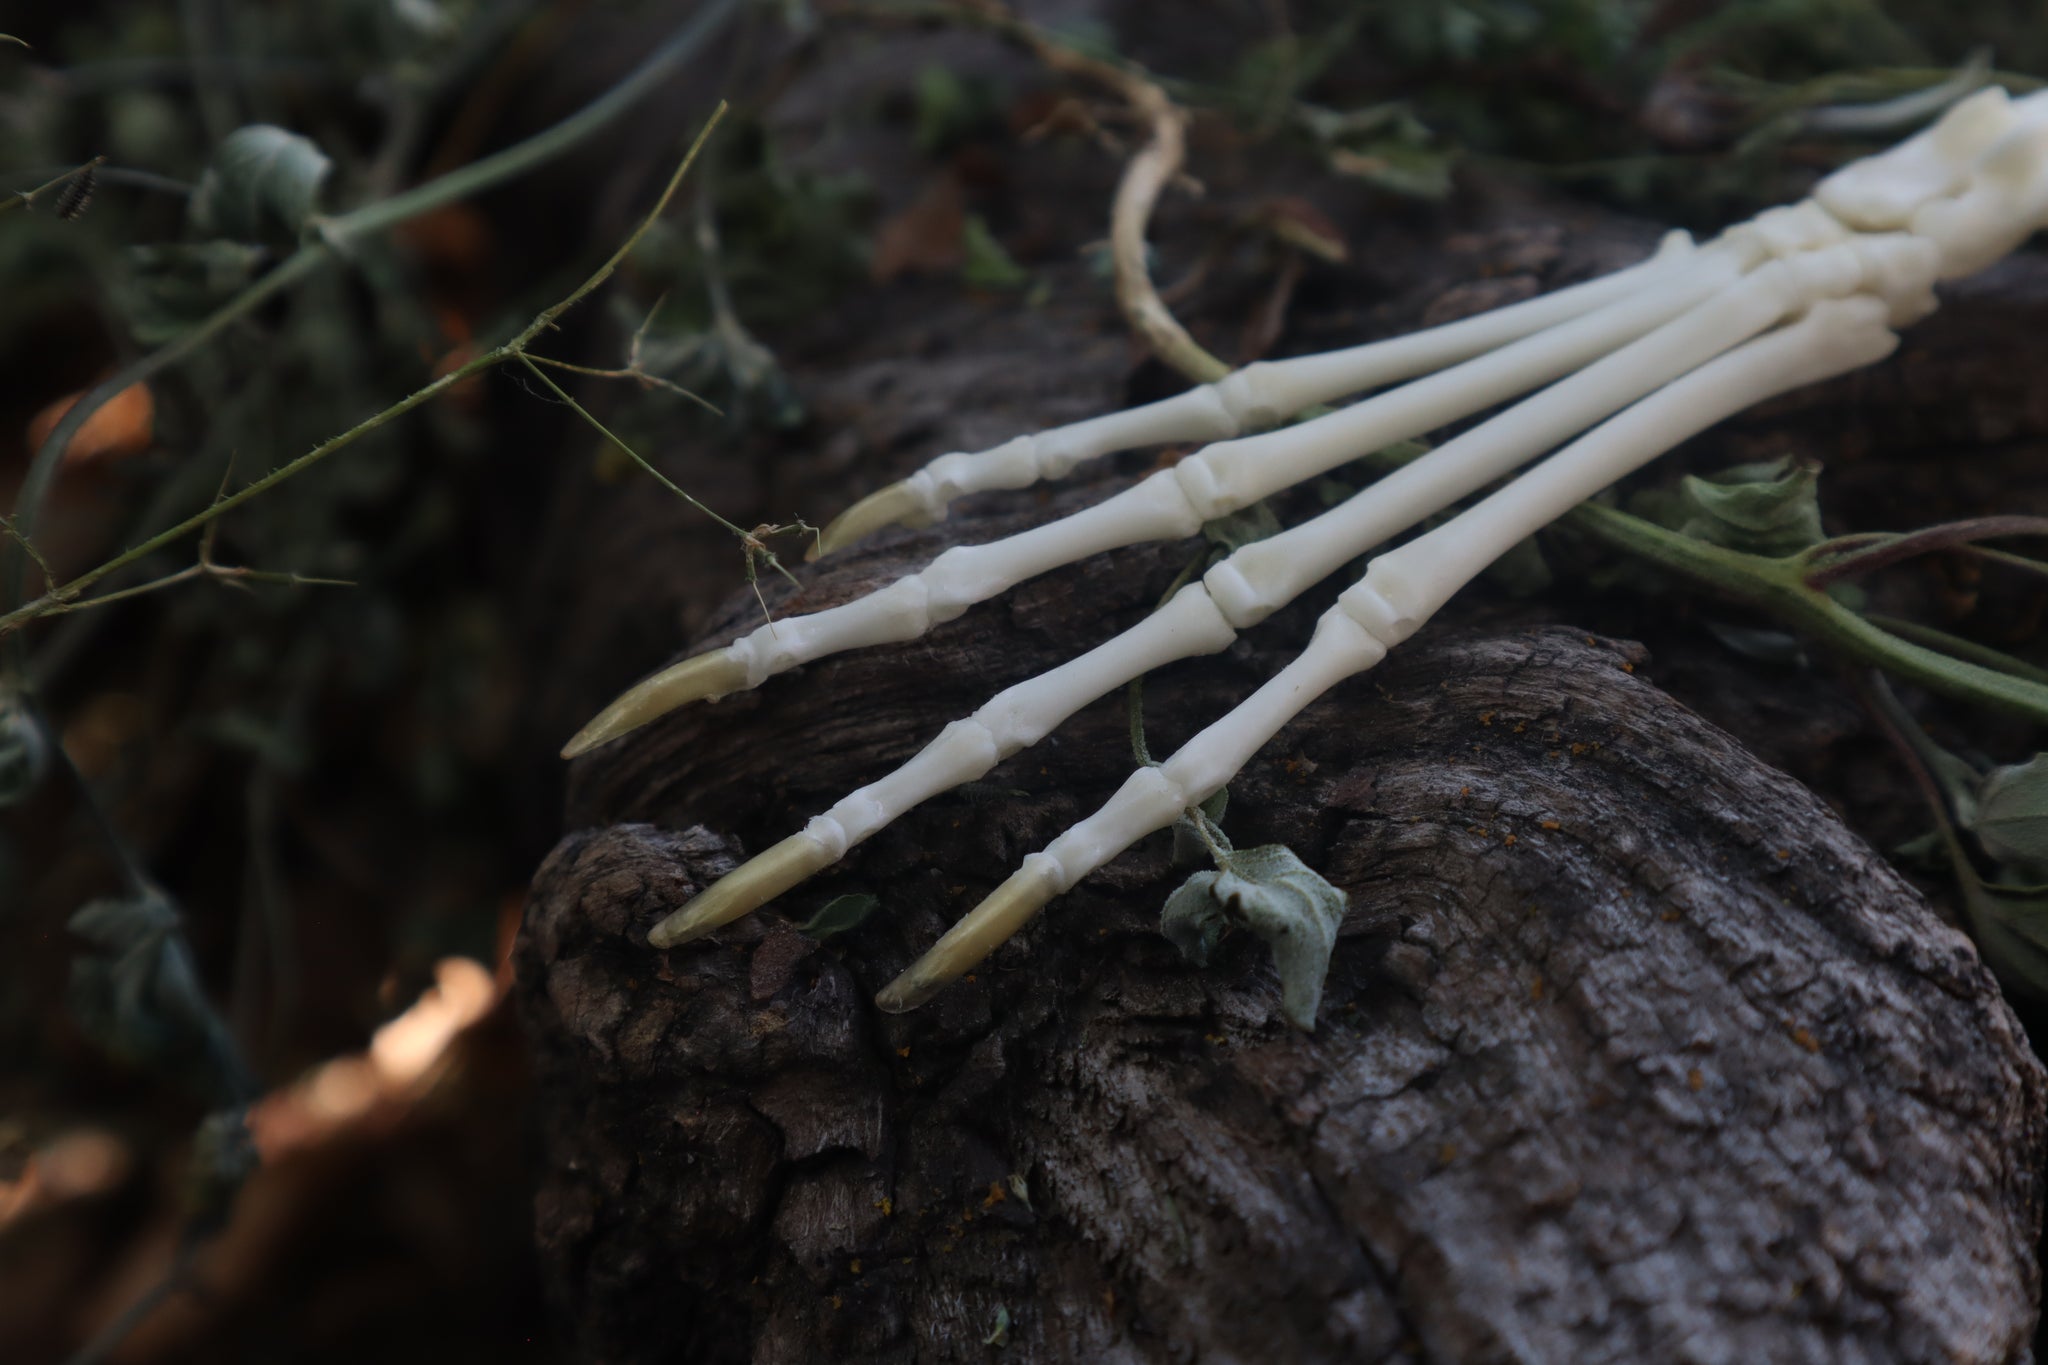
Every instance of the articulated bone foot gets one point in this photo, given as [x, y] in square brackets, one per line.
[1615, 371]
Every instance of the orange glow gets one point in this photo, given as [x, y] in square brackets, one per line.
[398, 1066]
[124, 425]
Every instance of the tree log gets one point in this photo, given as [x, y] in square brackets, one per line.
[1630, 1049]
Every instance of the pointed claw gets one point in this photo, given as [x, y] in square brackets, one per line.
[705, 676]
[745, 889]
[981, 931]
[898, 504]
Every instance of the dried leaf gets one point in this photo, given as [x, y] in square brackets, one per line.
[1296, 221]
[924, 239]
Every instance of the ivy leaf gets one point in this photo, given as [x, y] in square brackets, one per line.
[1768, 508]
[263, 180]
[2011, 815]
[1274, 894]
[842, 914]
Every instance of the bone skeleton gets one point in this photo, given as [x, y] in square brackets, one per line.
[1630, 364]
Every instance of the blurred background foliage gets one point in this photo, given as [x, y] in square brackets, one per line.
[331, 791]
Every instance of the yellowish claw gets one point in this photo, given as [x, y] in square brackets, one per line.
[705, 676]
[744, 890]
[981, 931]
[896, 505]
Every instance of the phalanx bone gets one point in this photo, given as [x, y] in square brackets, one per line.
[1618, 370]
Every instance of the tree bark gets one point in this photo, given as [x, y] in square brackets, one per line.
[1630, 1050]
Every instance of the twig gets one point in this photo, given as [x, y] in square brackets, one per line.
[332, 237]
[1867, 557]
[1155, 166]
[58, 599]
[22, 199]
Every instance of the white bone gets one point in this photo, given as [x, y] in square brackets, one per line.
[1231, 475]
[1260, 578]
[1400, 590]
[1964, 192]
[1267, 392]
[1224, 478]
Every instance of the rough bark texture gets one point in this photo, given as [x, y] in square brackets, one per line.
[1630, 1050]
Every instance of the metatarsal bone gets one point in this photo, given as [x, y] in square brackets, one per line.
[1399, 592]
[1220, 479]
[1257, 396]
[1260, 578]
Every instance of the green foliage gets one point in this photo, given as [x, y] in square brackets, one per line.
[1771, 507]
[139, 997]
[2009, 814]
[1279, 898]
[987, 265]
[840, 915]
[951, 108]
[24, 752]
[262, 185]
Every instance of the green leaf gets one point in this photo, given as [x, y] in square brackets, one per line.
[139, 995]
[999, 1335]
[170, 288]
[1233, 531]
[2011, 815]
[988, 266]
[950, 109]
[263, 180]
[1768, 508]
[24, 753]
[1278, 897]
[2011, 928]
[840, 915]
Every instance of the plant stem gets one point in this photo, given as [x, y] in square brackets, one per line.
[60, 597]
[334, 236]
[1783, 588]
[22, 199]
[1889, 550]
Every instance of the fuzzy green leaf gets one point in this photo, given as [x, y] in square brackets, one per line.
[264, 180]
[840, 915]
[2011, 815]
[1278, 897]
[1768, 508]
